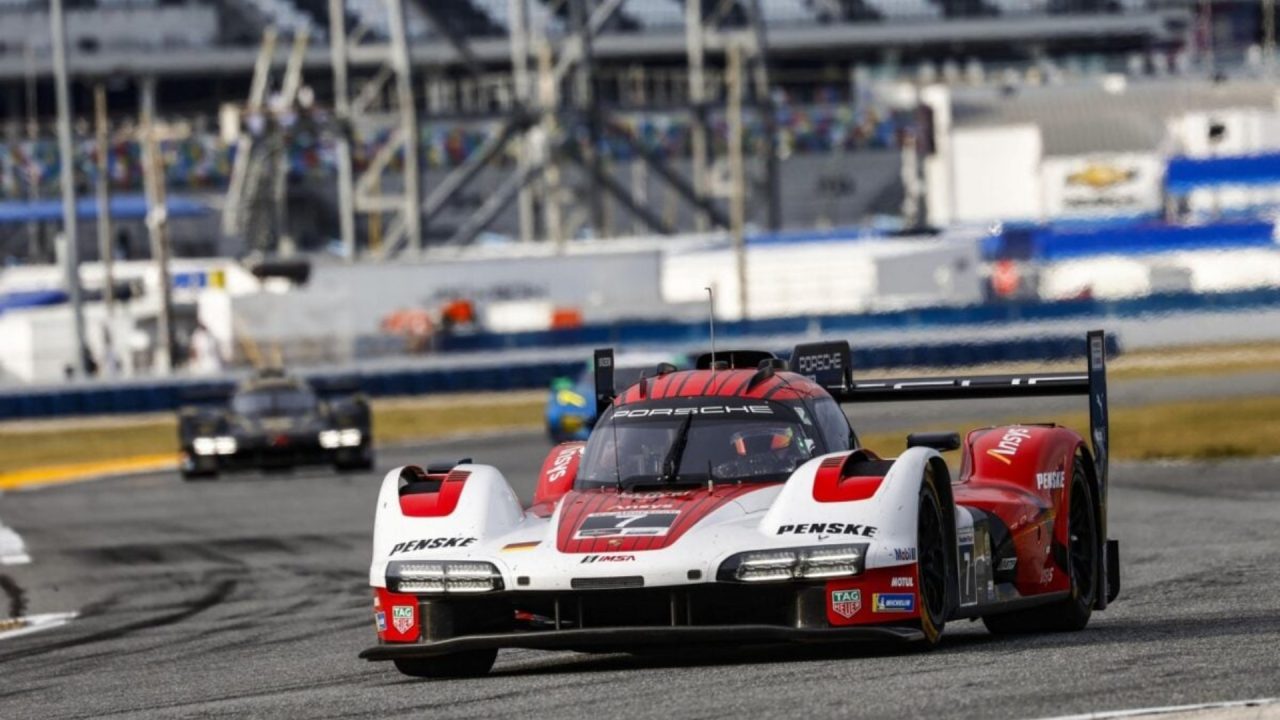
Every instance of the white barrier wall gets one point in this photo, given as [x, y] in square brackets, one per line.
[1113, 277]
[822, 278]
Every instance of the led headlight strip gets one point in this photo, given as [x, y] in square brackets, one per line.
[330, 439]
[429, 576]
[222, 445]
[810, 563]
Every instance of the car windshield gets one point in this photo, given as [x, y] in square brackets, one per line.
[696, 442]
[292, 401]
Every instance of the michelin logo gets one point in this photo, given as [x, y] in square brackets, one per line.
[1050, 480]
[893, 602]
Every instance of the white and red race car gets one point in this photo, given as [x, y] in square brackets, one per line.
[733, 504]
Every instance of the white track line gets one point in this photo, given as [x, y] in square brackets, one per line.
[36, 623]
[1169, 710]
[12, 550]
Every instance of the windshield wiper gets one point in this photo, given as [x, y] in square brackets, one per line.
[671, 463]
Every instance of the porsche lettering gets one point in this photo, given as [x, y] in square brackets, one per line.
[699, 410]
[809, 364]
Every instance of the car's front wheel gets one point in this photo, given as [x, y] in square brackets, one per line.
[193, 475]
[931, 559]
[472, 663]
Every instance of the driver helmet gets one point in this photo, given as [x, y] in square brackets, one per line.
[755, 441]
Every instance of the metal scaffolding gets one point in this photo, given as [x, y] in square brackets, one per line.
[555, 132]
[368, 114]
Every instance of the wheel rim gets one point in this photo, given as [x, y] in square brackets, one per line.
[1084, 544]
[933, 564]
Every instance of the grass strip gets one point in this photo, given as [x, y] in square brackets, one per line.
[393, 422]
[1191, 430]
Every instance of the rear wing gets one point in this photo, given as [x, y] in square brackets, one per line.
[829, 365]
[330, 386]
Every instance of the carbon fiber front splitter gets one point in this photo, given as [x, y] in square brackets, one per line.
[624, 638]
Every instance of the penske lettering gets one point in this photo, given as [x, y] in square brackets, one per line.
[828, 529]
[700, 410]
[431, 544]
[1007, 448]
[1050, 480]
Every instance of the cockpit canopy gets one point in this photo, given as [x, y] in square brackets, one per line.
[709, 439]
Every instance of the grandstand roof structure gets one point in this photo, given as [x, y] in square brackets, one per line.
[204, 37]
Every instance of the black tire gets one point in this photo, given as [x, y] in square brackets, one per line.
[932, 564]
[362, 465]
[197, 475]
[1073, 613]
[472, 663]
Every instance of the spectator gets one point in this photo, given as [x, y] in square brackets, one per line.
[204, 358]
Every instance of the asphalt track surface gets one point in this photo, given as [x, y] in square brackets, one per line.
[247, 597]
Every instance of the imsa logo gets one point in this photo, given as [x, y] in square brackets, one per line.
[846, 603]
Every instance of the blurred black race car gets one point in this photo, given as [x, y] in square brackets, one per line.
[275, 421]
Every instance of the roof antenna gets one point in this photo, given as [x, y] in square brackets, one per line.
[711, 321]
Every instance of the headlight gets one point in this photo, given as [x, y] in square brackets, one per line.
[331, 439]
[442, 577]
[794, 564]
[221, 445]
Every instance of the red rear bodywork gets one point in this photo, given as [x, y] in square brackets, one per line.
[1020, 475]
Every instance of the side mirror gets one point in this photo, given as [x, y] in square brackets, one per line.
[940, 441]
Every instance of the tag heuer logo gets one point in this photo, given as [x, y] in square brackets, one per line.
[402, 617]
[846, 603]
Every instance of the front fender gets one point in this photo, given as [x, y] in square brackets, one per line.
[886, 516]
[485, 506]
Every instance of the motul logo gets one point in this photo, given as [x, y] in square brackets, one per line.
[1007, 448]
